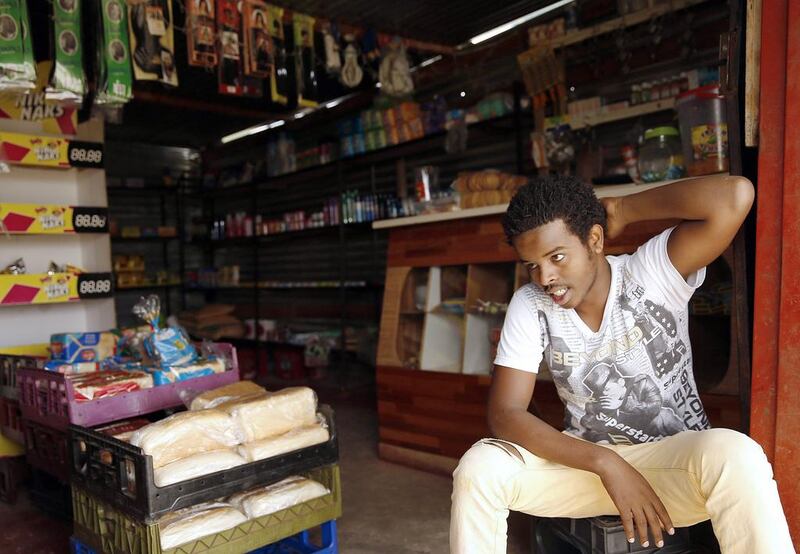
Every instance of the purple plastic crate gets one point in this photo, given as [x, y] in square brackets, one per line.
[48, 398]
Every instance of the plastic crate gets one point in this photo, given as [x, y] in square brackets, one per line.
[107, 530]
[11, 420]
[77, 547]
[605, 535]
[50, 495]
[48, 398]
[9, 364]
[13, 472]
[120, 474]
[47, 449]
[300, 543]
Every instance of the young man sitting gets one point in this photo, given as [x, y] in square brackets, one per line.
[613, 331]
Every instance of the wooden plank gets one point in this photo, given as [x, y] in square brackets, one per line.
[628, 20]
[425, 461]
[593, 119]
[752, 68]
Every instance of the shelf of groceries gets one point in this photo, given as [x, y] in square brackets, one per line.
[233, 465]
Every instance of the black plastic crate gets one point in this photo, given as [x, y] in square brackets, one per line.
[120, 474]
[605, 535]
[50, 495]
[47, 449]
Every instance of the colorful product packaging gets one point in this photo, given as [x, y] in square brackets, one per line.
[83, 347]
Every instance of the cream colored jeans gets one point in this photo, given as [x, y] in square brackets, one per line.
[717, 474]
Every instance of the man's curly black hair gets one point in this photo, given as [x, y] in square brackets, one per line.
[551, 197]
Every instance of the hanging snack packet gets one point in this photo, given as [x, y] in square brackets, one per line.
[201, 33]
[169, 346]
[258, 46]
[230, 66]
[116, 79]
[17, 70]
[305, 61]
[279, 84]
[68, 82]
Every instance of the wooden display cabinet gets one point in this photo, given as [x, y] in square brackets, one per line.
[434, 355]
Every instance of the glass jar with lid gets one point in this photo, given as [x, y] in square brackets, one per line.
[660, 157]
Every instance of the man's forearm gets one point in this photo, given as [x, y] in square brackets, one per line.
[700, 199]
[539, 438]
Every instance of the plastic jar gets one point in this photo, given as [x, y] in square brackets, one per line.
[660, 157]
[704, 130]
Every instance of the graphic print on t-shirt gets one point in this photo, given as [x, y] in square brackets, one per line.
[631, 383]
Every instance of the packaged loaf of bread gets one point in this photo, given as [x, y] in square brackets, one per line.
[232, 392]
[274, 498]
[295, 439]
[187, 433]
[274, 414]
[190, 524]
[197, 465]
[200, 368]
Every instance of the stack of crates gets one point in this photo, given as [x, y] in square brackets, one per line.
[13, 467]
[117, 505]
[48, 406]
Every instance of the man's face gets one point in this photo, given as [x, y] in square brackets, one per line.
[559, 262]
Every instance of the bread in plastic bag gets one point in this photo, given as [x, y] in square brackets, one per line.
[279, 496]
[290, 441]
[197, 465]
[273, 414]
[190, 524]
[233, 392]
[187, 433]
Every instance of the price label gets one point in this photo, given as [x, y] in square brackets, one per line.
[90, 220]
[94, 285]
[85, 154]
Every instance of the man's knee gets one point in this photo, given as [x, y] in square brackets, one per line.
[735, 452]
[486, 466]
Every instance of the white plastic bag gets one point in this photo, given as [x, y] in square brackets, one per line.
[274, 498]
[288, 442]
[192, 523]
[197, 465]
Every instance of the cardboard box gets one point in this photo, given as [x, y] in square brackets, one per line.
[83, 347]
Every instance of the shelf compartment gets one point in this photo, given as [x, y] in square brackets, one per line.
[478, 355]
[490, 283]
[442, 343]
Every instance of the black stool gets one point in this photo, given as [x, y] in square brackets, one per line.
[605, 535]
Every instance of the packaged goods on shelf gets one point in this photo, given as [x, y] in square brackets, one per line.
[169, 346]
[83, 347]
[274, 498]
[212, 324]
[234, 391]
[198, 521]
[197, 465]
[123, 430]
[187, 433]
[290, 441]
[71, 368]
[274, 414]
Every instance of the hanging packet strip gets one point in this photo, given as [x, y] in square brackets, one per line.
[116, 79]
[28, 62]
[279, 84]
[258, 46]
[14, 36]
[152, 41]
[201, 33]
[230, 67]
[68, 81]
[305, 62]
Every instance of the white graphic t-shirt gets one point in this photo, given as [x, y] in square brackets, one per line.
[630, 382]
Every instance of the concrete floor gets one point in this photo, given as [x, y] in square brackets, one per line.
[388, 509]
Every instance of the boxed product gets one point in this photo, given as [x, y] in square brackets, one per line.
[102, 384]
[71, 369]
[173, 374]
[83, 347]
